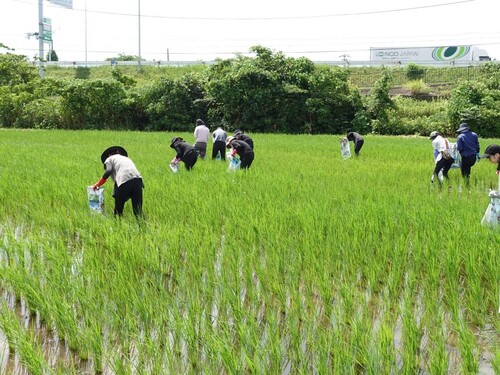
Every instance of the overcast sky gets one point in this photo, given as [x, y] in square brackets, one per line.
[192, 30]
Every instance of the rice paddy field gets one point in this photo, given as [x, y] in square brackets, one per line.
[304, 264]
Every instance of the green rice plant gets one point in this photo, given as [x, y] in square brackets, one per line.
[438, 357]
[303, 263]
[466, 344]
[23, 342]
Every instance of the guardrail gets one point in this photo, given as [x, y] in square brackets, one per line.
[75, 64]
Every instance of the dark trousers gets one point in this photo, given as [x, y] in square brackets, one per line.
[190, 159]
[219, 146]
[357, 146]
[201, 147]
[132, 189]
[246, 160]
[466, 165]
[444, 165]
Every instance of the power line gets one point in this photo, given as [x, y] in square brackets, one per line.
[349, 14]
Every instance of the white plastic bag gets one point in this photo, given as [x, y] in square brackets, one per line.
[345, 148]
[491, 217]
[457, 160]
[96, 199]
[234, 163]
[174, 167]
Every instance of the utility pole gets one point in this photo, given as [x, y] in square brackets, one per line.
[345, 59]
[85, 30]
[139, 68]
[40, 38]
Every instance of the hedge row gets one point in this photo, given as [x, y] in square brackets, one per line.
[266, 93]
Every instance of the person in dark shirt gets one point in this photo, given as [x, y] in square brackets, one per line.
[358, 141]
[492, 153]
[240, 136]
[184, 152]
[468, 147]
[243, 149]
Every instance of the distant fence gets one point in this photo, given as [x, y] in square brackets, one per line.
[362, 73]
[429, 75]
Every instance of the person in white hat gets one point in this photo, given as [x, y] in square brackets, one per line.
[443, 160]
[128, 180]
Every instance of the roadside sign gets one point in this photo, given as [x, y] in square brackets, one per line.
[47, 30]
[64, 3]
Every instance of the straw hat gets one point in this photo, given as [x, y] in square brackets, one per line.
[229, 140]
[112, 151]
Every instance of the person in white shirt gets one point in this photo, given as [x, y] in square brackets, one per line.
[219, 140]
[128, 180]
[442, 158]
[201, 135]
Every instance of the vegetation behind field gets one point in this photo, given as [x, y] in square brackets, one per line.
[305, 261]
[270, 93]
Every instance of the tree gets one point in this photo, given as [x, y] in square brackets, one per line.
[379, 103]
[123, 57]
[52, 56]
[16, 70]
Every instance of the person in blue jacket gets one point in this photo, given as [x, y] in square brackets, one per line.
[468, 147]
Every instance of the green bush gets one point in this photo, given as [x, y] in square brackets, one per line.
[267, 93]
[41, 113]
[414, 72]
[417, 87]
[82, 72]
[410, 116]
[96, 104]
[173, 104]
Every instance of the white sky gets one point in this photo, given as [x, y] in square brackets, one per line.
[192, 30]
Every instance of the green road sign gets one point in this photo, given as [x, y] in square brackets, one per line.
[47, 30]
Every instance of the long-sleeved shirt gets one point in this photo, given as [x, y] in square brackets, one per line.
[219, 135]
[245, 138]
[440, 144]
[241, 148]
[468, 143]
[120, 168]
[201, 133]
[182, 149]
[355, 137]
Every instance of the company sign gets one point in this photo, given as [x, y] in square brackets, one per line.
[449, 53]
[63, 3]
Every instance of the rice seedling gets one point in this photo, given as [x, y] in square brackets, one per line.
[304, 263]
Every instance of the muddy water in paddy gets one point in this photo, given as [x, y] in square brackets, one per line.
[56, 351]
[58, 355]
